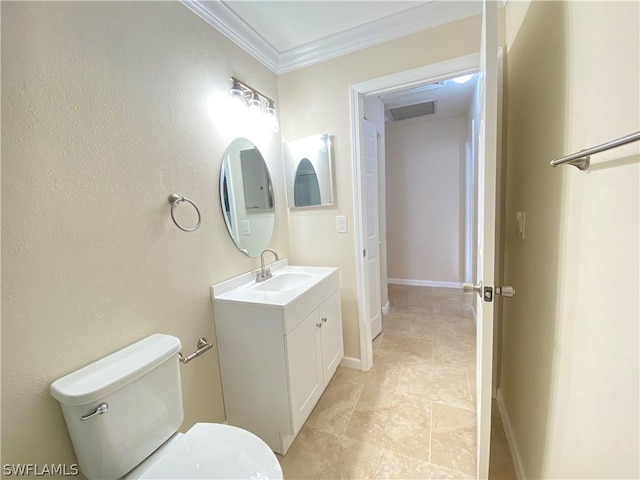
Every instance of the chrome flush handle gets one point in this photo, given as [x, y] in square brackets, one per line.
[100, 409]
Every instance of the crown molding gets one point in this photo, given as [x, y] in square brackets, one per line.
[401, 24]
[221, 17]
[422, 17]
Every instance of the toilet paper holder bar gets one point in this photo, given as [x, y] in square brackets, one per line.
[202, 346]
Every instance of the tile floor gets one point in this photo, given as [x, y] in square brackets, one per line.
[413, 415]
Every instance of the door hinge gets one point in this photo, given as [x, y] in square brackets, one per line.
[364, 252]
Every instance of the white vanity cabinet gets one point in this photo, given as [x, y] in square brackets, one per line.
[277, 352]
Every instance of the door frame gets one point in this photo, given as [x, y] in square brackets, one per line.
[398, 81]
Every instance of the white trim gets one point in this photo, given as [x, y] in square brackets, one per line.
[389, 83]
[407, 22]
[511, 439]
[223, 19]
[351, 362]
[423, 283]
[387, 308]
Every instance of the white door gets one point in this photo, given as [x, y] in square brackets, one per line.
[370, 226]
[488, 78]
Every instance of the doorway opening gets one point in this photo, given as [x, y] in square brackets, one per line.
[372, 283]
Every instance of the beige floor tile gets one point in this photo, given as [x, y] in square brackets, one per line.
[333, 411]
[390, 420]
[433, 327]
[398, 323]
[361, 460]
[455, 349]
[453, 438]
[436, 382]
[453, 309]
[500, 461]
[384, 374]
[313, 455]
[415, 310]
[412, 350]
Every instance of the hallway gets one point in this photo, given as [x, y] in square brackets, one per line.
[412, 415]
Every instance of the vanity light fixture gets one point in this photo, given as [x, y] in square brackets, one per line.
[256, 101]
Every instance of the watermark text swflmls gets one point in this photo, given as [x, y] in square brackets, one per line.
[34, 469]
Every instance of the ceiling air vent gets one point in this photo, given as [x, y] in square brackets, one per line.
[412, 111]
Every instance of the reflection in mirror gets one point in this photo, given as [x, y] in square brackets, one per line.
[308, 171]
[306, 190]
[246, 196]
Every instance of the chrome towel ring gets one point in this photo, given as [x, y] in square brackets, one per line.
[175, 200]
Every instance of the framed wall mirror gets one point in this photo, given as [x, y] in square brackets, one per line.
[309, 172]
[246, 196]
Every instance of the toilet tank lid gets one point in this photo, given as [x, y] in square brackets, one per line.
[100, 378]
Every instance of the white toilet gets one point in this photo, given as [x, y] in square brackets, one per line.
[124, 410]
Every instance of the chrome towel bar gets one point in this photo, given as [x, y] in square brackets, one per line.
[582, 159]
[202, 346]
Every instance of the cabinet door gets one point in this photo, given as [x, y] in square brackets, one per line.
[304, 359]
[331, 333]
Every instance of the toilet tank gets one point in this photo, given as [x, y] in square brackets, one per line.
[141, 386]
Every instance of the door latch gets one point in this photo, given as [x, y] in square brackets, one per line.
[487, 292]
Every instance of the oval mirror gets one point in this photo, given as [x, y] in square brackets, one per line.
[308, 172]
[246, 195]
[306, 190]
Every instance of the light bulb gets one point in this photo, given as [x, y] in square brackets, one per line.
[272, 119]
[463, 79]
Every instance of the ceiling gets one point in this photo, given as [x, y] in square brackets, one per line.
[287, 35]
[452, 99]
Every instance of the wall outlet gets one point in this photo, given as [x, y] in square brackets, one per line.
[246, 227]
[341, 223]
[520, 222]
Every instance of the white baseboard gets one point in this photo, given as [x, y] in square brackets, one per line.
[508, 430]
[386, 308]
[424, 283]
[351, 362]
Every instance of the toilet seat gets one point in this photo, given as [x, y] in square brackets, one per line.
[212, 451]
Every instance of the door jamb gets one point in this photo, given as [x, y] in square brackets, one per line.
[389, 83]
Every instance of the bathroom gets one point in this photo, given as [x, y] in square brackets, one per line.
[107, 109]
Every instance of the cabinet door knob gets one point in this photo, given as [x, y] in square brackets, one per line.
[324, 319]
[319, 325]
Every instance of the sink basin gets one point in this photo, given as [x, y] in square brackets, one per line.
[284, 281]
[288, 285]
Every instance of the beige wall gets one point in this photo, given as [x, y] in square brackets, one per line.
[316, 99]
[570, 354]
[425, 191]
[105, 112]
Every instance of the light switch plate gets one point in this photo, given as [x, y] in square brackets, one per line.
[246, 227]
[341, 223]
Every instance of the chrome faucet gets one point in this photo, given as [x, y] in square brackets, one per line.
[265, 272]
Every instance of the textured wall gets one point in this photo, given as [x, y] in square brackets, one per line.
[106, 111]
[570, 352]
